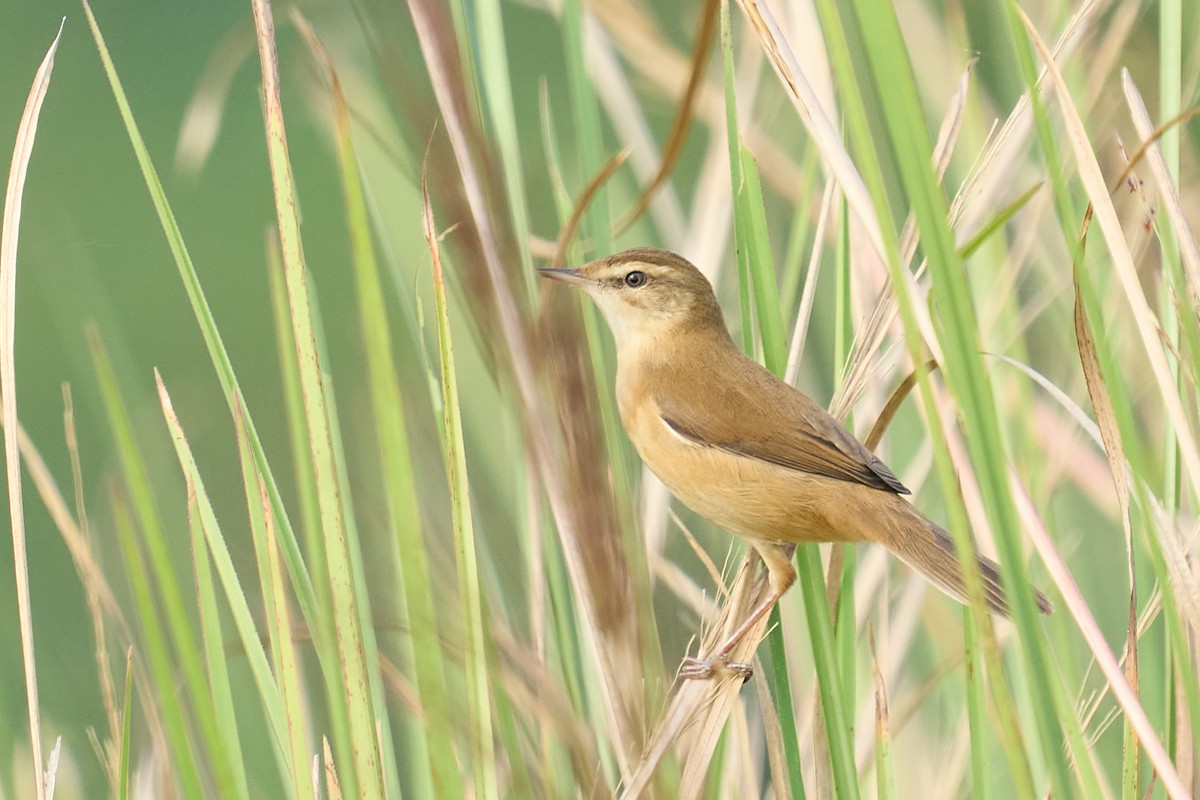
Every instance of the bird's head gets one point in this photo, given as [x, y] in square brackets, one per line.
[646, 292]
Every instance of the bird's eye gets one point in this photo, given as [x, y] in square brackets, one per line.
[635, 279]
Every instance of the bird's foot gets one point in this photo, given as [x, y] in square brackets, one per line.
[701, 669]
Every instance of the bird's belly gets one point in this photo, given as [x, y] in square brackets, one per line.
[745, 496]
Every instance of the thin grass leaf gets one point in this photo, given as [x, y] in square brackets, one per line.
[497, 89]
[305, 482]
[125, 754]
[185, 769]
[368, 772]
[752, 238]
[278, 621]
[825, 134]
[1109, 428]
[232, 782]
[885, 781]
[293, 404]
[585, 112]
[478, 683]
[9, 229]
[74, 534]
[997, 222]
[566, 235]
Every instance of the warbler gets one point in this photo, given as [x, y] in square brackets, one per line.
[741, 447]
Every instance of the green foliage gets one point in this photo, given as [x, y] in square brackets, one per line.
[376, 521]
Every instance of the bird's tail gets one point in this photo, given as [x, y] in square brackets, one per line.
[928, 549]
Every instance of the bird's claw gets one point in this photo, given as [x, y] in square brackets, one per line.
[701, 669]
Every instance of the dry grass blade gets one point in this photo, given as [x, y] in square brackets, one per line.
[68, 528]
[332, 784]
[883, 722]
[1166, 187]
[567, 234]
[683, 116]
[99, 596]
[893, 405]
[1126, 270]
[22, 151]
[808, 294]
[868, 340]
[1110, 436]
[594, 563]
[698, 710]
[203, 116]
[1108, 664]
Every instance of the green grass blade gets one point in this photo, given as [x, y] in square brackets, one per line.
[498, 104]
[885, 779]
[756, 271]
[278, 620]
[233, 783]
[478, 681]
[293, 404]
[359, 688]
[310, 514]
[997, 222]
[185, 768]
[756, 267]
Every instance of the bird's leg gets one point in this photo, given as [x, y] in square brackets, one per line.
[780, 575]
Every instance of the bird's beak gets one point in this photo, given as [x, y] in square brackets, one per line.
[571, 276]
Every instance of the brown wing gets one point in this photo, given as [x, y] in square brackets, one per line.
[752, 413]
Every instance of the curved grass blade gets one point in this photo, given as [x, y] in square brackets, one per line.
[23, 149]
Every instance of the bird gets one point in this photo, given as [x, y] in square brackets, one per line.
[744, 449]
